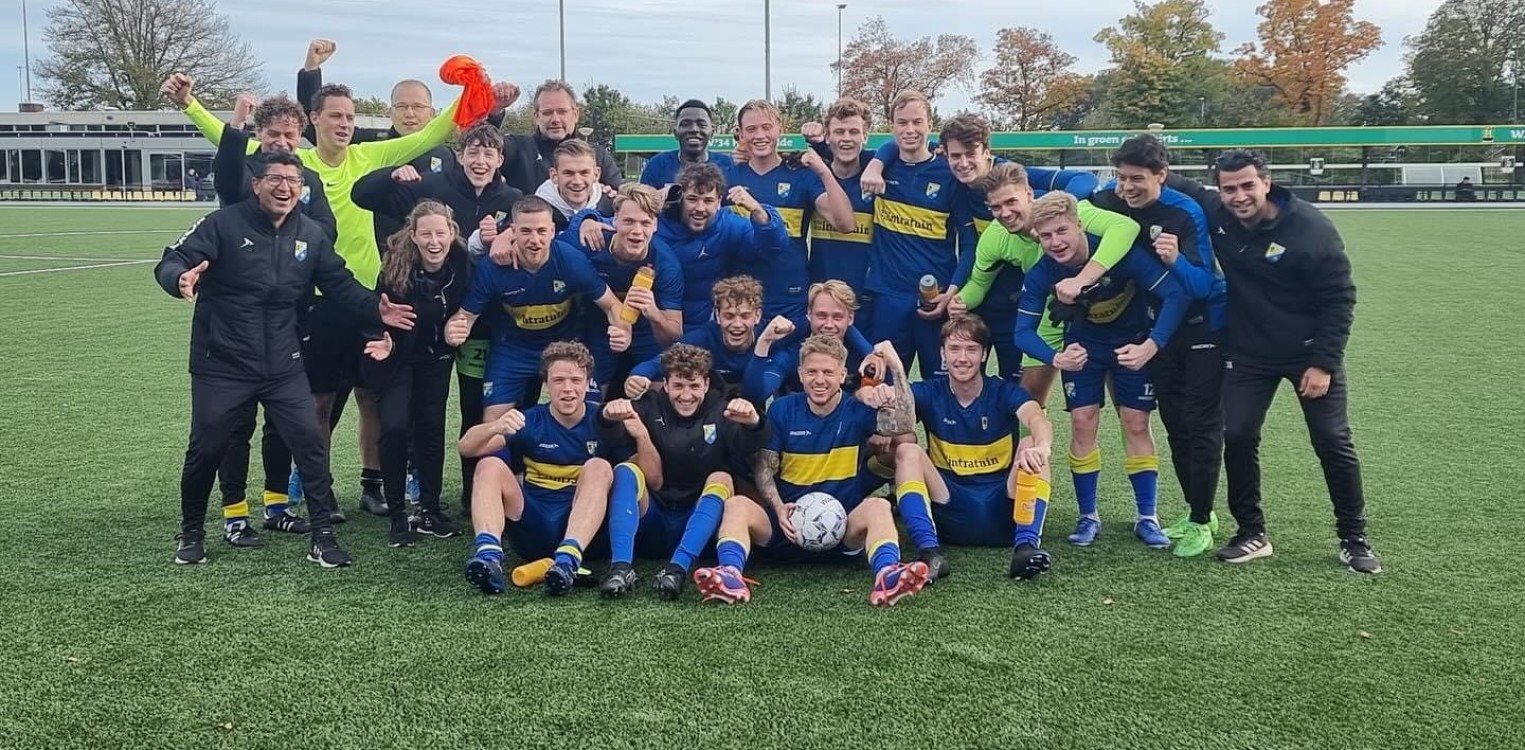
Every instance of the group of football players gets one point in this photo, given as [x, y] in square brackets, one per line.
[735, 332]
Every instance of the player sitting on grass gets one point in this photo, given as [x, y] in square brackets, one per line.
[728, 338]
[817, 437]
[988, 489]
[1108, 336]
[669, 499]
[559, 505]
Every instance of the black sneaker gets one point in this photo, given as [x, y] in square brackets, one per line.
[621, 580]
[326, 552]
[241, 534]
[1244, 548]
[337, 516]
[401, 532]
[1356, 553]
[288, 522]
[937, 565]
[1028, 561]
[435, 523]
[559, 580]
[192, 548]
[669, 582]
[371, 502]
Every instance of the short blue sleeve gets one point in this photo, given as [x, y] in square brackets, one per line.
[779, 429]
[483, 287]
[581, 277]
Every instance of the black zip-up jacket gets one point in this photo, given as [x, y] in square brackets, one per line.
[378, 193]
[527, 162]
[1291, 298]
[233, 170]
[691, 448]
[434, 297]
[245, 323]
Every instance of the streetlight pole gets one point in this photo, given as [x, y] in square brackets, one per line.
[561, 7]
[768, 50]
[26, 51]
[840, 7]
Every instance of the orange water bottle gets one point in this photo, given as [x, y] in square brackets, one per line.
[531, 573]
[929, 291]
[644, 277]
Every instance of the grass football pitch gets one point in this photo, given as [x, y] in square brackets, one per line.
[106, 644]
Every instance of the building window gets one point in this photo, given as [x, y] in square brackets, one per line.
[89, 170]
[31, 165]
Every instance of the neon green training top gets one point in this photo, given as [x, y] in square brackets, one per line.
[357, 232]
[997, 245]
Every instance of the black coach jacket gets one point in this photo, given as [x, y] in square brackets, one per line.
[245, 323]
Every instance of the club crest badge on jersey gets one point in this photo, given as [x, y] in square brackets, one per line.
[301, 251]
[933, 189]
[499, 216]
[709, 434]
[436, 164]
[1274, 252]
[306, 195]
[783, 189]
[866, 194]
[487, 389]
[984, 423]
[592, 447]
[1069, 389]
[558, 286]
[1155, 231]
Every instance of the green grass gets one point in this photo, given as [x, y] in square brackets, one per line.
[106, 644]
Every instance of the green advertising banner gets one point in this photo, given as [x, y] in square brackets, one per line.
[1429, 135]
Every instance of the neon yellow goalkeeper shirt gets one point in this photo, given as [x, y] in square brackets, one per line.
[357, 232]
[1116, 232]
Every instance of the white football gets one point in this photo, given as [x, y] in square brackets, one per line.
[820, 520]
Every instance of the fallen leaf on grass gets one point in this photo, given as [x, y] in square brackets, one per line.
[1365, 636]
[849, 591]
[72, 659]
[1108, 601]
[226, 726]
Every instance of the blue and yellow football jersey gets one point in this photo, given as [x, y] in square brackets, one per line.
[1121, 310]
[534, 308]
[553, 455]
[618, 275]
[844, 255]
[820, 453]
[915, 227]
[793, 192]
[973, 443]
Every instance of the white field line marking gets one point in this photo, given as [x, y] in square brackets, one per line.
[54, 257]
[76, 268]
[89, 234]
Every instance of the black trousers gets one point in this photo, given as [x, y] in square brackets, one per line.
[470, 393]
[275, 458]
[218, 409]
[412, 408]
[1248, 389]
[1188, 385]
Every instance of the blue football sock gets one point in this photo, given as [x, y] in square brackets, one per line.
[701, 527]
[731, 553]
[911, 497]
[883, 554]
[625, 512]
[489, 547]
[1144, 475]
[1086, 471]
[569, 554]
[1030, 509]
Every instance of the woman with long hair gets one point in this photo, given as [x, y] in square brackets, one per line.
[425, 266]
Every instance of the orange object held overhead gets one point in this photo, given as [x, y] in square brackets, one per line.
[477, 99]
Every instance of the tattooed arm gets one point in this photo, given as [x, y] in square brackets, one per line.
[897, 416]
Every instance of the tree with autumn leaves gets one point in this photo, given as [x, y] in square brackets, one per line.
[1305, 47]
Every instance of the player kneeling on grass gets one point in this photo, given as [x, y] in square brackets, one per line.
[1108, 337]
[559, 505]
[669, 499]
[815, 446]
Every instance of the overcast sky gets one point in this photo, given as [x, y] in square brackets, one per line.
[648, 48]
